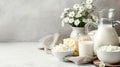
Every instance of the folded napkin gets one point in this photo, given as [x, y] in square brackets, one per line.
[79, 60]
[49, 41]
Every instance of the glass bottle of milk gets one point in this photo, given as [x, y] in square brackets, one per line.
[106, 34]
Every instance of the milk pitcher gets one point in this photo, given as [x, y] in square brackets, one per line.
[105, 34]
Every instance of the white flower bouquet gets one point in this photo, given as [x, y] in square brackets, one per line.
[80, 14]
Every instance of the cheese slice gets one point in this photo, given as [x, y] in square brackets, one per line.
[72, 42]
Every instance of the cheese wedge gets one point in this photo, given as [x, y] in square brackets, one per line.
[72, 42]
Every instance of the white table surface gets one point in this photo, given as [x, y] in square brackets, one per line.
[27, 54]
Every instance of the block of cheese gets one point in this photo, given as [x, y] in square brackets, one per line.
[85, 38]
[72, 42]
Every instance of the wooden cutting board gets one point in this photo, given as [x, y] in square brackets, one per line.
[96, 62]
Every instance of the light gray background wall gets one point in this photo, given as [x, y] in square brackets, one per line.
[29, 20]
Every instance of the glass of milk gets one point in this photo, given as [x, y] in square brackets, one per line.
[86, 48]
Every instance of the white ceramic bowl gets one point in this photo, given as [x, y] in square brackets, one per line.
[108, 57]
[61, 55]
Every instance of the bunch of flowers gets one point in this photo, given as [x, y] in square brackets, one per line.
[79, 15]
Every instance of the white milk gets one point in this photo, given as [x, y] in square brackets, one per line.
[106, 35]
[86, 49]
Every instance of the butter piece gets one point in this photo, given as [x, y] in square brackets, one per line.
[72, 42]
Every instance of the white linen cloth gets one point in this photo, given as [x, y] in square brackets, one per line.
[79, 60]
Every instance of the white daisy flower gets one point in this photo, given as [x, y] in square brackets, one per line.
[89, 6]
[76, 6]
[62, 15]
[77, 22]
[71, 14]
[71, 20]
[66, 20]
[78, 15]
[81, 8]
[89, 1]
[80, 11]
[85, 20]
[66, 9]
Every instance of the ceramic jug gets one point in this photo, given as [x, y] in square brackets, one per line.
[105, 34]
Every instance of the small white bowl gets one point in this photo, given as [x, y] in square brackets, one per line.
[61, 55]
[108, 57]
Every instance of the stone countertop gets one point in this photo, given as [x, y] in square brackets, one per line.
[27, 54]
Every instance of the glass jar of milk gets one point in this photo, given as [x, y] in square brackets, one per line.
[105, 35]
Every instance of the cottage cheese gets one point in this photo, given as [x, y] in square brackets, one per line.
[110, 48]
[62, 48]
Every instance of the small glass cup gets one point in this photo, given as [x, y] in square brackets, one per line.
[86, 48]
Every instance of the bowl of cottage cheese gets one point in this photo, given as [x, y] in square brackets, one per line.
[109, 54]
[61, 51]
